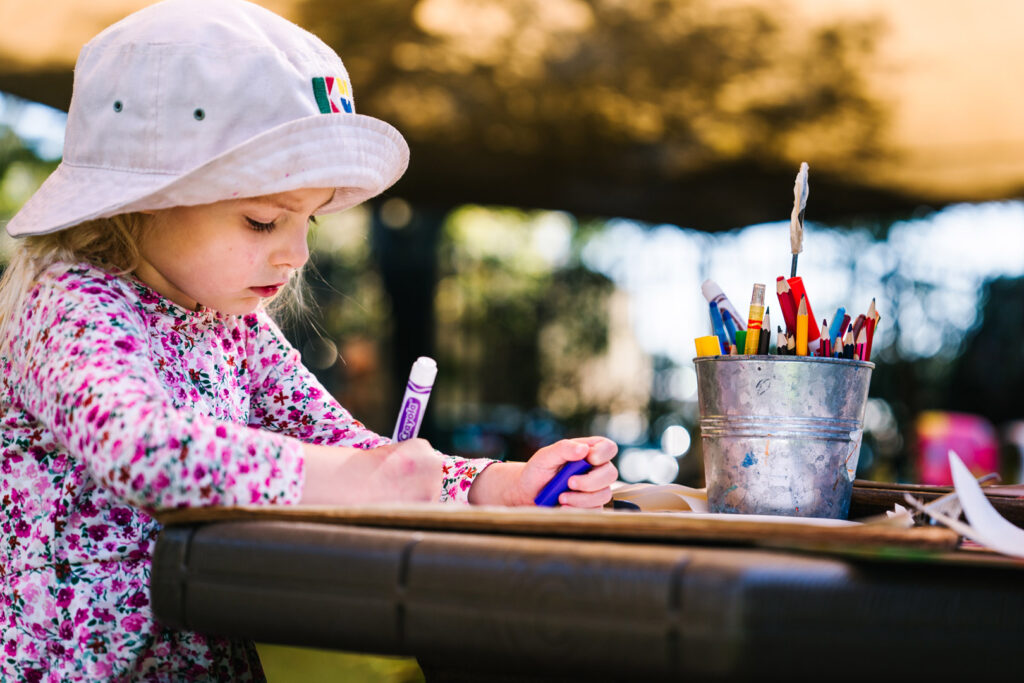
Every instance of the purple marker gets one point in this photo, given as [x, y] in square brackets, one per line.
[417, 393]
[548, 496]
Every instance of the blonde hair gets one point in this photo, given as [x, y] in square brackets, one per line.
[108, 243]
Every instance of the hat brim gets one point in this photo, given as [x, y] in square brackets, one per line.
[358, 155]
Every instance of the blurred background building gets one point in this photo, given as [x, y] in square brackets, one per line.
[579, 167]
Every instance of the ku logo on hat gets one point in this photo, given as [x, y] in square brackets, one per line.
[332, 95]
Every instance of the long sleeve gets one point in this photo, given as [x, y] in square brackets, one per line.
[288, 398]
[83, 365]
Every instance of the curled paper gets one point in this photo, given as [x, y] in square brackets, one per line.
[985, 525]
[796, 219]
[662, 498]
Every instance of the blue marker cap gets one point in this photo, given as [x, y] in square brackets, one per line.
[718, 325]
[548, 496]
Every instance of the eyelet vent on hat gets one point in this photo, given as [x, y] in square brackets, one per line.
[118, 106]
[199, 114]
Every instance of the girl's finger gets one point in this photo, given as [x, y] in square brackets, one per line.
[577, 499]
[561, 452]
[596, 479]
[601, 449]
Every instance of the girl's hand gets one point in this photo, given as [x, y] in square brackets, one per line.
[517, 483]
[403, 472]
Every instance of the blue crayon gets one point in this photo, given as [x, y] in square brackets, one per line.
[718, 326]
[548, 497]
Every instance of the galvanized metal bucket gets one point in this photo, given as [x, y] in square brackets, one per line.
[781, 435]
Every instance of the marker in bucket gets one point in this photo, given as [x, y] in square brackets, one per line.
[733, 321]
[718, 327]
[708, 346]
[414, 403]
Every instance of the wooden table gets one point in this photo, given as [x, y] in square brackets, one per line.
[550, 595]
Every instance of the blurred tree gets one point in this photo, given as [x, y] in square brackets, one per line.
[988, 378]
[518, 319]
[651, 108]
[21, 169]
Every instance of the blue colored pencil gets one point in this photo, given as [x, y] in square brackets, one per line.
[837, 324]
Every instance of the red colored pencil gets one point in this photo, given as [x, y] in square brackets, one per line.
[862, 344]
[842, 328]
[858, 323]
[796, 284]
[786, 303]
[869, 325]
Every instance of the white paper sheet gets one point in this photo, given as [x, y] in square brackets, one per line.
[985, 525]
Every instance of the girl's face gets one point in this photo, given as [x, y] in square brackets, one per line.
[229, 255]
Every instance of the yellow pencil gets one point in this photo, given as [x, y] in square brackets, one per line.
[801, 327]
[754, 321]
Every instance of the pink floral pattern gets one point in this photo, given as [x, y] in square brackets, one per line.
[116, 402]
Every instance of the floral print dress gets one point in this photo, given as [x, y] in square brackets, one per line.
[116, 401]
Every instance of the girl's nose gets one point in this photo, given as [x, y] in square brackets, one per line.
[293, 251]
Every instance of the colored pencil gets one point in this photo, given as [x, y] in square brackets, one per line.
[838, 340]
[858, 324]
[801, 327]
[797, 285]
[870, 325]
[848, 346]
[837, 320]
[786, 303]
[764, 340]
[754, 320]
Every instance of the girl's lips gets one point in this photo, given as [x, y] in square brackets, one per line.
[266, 292]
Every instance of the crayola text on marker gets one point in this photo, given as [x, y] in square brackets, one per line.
[417, 393]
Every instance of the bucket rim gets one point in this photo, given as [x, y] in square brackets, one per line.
[846, 362]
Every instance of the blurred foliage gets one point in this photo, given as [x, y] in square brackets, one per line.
[684, 82]
[612, 108]
[21, 169]
[990, 370]
[518, 317]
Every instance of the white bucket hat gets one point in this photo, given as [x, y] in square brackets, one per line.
[191, 102]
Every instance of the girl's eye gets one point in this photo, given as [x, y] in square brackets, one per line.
[260, 227]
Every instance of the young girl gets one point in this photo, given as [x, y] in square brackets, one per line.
[140, 369]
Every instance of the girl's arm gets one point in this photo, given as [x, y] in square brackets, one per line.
[288, 398]
[80, 366]
[411, 471]
[518, 483]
